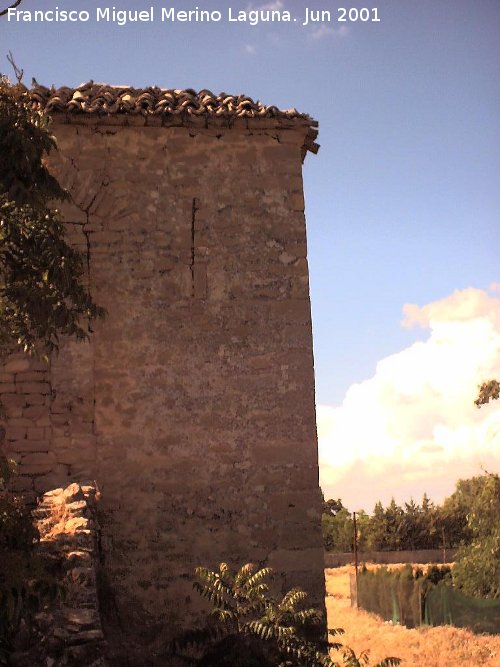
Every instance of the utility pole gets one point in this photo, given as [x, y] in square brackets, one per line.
[355, 556]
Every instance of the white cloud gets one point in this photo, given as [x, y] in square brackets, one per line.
[326, 31]
[276, 4]
[462, 305]
[250, 49]
[413, 427]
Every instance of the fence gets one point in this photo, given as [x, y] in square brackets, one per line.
[421, 556]
[401, 598]
[396, 596]
[446, 606]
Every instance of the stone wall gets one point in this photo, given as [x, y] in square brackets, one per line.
[193, 403]
[25, 395]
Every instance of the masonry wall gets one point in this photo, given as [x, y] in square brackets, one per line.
[193, 404]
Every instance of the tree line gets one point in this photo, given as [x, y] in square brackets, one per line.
[468, 520]
[404, 527]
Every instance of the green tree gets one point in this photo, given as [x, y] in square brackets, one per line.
[377, 528]
[395, 526]
[332, 506]
[362, 529]
[477, 567]
[452, 517]
[42, 295]
[430, 536]
[411, 531]
[338, 531]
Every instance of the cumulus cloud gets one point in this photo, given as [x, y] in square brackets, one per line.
[413, 427]
[462, 305]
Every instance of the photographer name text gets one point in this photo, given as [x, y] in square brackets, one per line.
[253, 17]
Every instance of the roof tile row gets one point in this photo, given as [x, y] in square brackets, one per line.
[102, 99]
[92, 97]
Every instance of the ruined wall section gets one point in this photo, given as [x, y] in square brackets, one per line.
[25, 396]
[48, 408]
[193, 404]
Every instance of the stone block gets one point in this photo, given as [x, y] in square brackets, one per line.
[35, 399]
[34, 411]
[73, 493]
[15, 432]
[35, 468]
[17, 364]
[36, 433]
[28, 445]
[34, 388]
[32, 376]
[38, 458]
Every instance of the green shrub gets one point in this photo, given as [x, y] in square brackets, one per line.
[437, 573]
[24, 577]
[477, 568]
[247, 627]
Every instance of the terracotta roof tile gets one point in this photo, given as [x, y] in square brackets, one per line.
[102, 99]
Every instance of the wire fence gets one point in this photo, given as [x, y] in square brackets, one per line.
[412, 600]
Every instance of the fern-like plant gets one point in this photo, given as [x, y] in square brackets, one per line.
[350, 659]
[249, 628]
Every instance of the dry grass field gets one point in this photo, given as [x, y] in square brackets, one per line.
[423, 647]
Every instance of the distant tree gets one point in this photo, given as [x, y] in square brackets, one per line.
[408, 527]
[377, 529]
[362, 529]
[338, 531]
[488, 391]
[430, 536]
[452, 516]
[332, 506]
[394, 517]
[412, 525]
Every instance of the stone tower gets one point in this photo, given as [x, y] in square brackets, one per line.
[192, 404]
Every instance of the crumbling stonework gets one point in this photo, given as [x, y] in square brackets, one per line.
[67, 631]
[192, 405]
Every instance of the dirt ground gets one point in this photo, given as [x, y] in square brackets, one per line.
[422, 647]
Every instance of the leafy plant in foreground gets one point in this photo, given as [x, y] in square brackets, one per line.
[25, 581]
[249, 628]
[42, 294]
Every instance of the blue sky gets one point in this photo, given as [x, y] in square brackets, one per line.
[403, 199]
